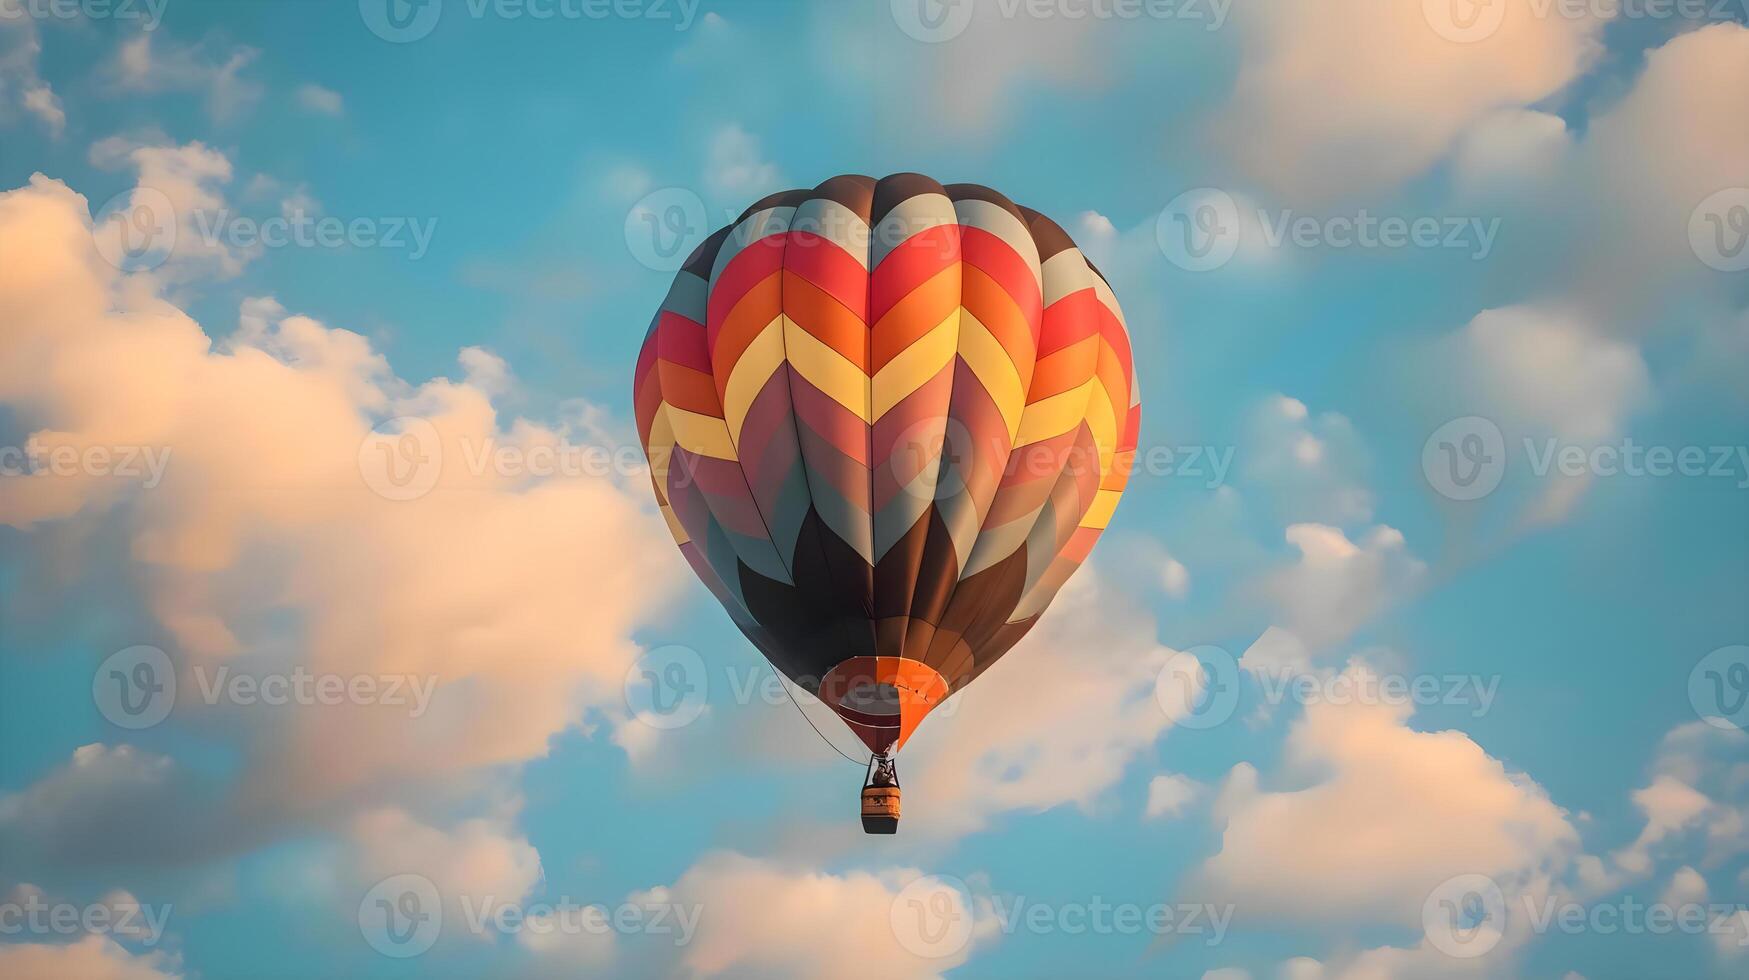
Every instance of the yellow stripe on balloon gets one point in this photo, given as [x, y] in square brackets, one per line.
[1053, 416]
[761, 359]
[704, 435]
[916, 364]
[674, 527]
[1102, 422]
[994, 368]
[1104, 505]
[826, 369]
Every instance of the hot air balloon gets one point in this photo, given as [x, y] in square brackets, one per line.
[886, 420]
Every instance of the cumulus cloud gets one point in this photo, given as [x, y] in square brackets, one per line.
[1096, 655]
[1645, 170]
[961, 86]
[151, 62]
[1697, 802]
[1372, 817]
[21, 87]
[1618, 218]
[782, 931]
[273, 542]
[736, 169]
[1311, 467]
[320, 100]
[1336, 586]
[1342, 96]
[90, 958]
[1170, 793]
[1542, 374]
[475, 864]
[165, 219]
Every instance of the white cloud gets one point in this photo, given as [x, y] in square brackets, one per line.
[770, 920]
[1094, 652]
[1697, 803]
[1336, 586]
[1540, 374]
[1686, 887]
[152, 63]
[324, 101]
[736, 171]
[1311, 467]
[1343, 96]
[1170, 793]
[188, 182]
[477, 863]
[1510, 147]
[92, 957]
[1380, 815]
[20, 84]
[963, 87]
[1552, 370]
[266, 516]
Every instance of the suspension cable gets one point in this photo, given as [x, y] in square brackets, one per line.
[792, 700]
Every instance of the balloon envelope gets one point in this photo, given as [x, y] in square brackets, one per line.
[886, 420]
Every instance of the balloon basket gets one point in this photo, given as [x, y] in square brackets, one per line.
[880, 809]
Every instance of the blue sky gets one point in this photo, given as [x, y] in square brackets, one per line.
[1575, 743]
